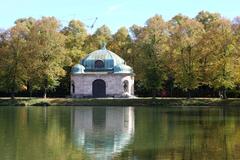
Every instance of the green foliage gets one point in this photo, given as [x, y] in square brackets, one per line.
[191, 53]
[120, 42]
[152, 44]
[95, 41]
[13, 57]
[48, 46]
[207, 18]
[76, 35]
[186, 35]
[224, 56]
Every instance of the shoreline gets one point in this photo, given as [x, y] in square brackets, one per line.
[120, 102]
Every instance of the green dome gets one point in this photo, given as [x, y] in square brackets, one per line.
[122, 68]
[78, 69]
[101, 60]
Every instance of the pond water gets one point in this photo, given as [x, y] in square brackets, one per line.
[138, 133]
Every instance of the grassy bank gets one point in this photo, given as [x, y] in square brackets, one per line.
[119, 102]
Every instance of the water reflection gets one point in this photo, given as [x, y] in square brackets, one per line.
[188, 133]
[141, 133]
[102, 131]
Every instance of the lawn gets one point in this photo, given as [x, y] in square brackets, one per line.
[119, 102]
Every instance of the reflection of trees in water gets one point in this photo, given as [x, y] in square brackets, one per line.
[37, 134]
[159, 133]
[185, 133]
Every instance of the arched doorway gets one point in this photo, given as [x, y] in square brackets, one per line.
[99, 88]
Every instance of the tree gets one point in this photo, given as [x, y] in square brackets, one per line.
[218, 62]
[206, 47]
[207, 18]
[135, 30]
[47, 47]
[120, 40]
[76, 35]
[135, 55]
[13, 57]
[185, 35]
[94, 42]
[103, 34]
[152, 41]
[225, 58]
[121, 44]
[236, 34]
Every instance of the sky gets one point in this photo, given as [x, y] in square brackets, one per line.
[113, 13]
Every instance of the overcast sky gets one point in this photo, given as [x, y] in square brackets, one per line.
[113, 13]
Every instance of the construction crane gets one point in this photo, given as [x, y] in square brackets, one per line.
[92, 26]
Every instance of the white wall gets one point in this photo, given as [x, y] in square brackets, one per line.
[114, 83]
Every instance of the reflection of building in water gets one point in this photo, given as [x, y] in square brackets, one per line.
[103, 132]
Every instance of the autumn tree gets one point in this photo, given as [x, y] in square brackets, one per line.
[95, 41]
[47, 44]
[121, 44]
[135, 30]
[13, 46]
[185, 34]
[135, 58]
[207, 18]
[192, 54]
[236, 36]
[76, 35]
[152, 41]
[225, 57]
[206, 47]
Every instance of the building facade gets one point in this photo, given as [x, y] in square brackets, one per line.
[102, 73]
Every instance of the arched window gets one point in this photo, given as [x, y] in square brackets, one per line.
[99, 64]
[73, 87]
[125, 86]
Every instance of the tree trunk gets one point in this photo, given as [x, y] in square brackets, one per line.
[171, 88]
[189, 93]
[220, 94]
[29, 89]
[45, 88]
[12, 95]
[45, 93]
[224, 93]
[13, 91]
[154, 92]
[30, 93]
